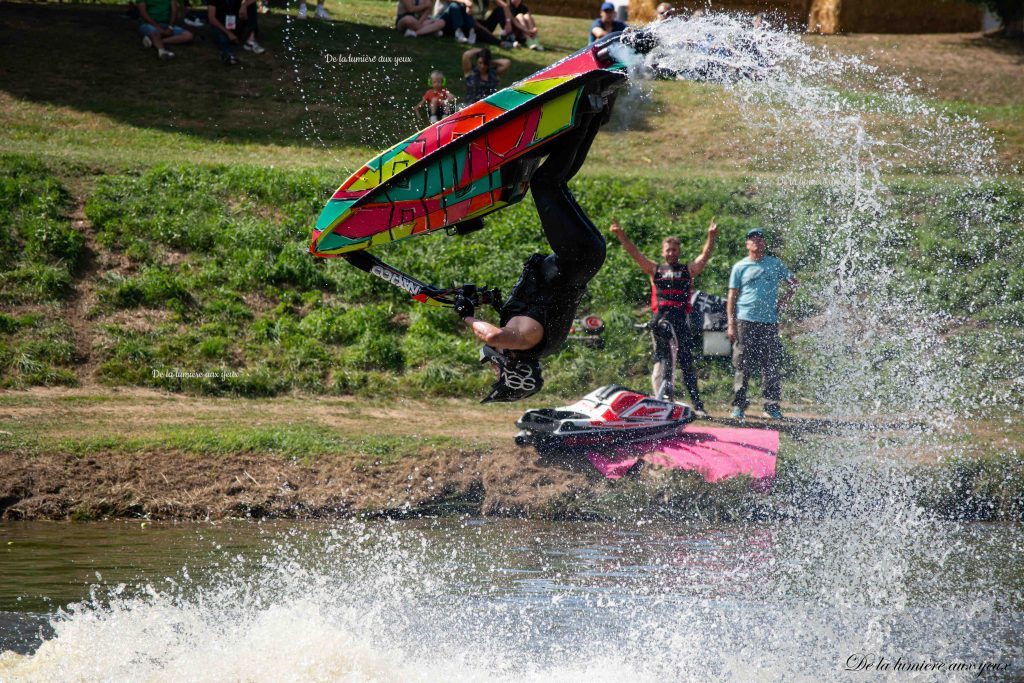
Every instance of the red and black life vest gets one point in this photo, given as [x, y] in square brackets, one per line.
[671, 288]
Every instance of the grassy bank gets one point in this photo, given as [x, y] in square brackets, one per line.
[154, 220]
[86, 454]
[117, 107]
[195, 278]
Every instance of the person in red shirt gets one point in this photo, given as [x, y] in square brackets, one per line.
[438, 100]
[671, 290]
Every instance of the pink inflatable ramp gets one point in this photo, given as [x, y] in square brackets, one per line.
[717, 453]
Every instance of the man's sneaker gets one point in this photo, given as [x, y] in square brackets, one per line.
[321, 13]
[229, 59]
[505, 45]
[193, 22]
[773, 412]
[302, 11]
[147, 42]
[165, 54]
[460, 37]
[701, 413]
[254, 47]
[439, 34]
[471, 38]
[409, 33]
[534, 44]
[737, 413]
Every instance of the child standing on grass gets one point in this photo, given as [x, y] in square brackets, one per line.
[438, 100]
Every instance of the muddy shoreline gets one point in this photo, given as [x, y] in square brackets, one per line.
[93, 453]
[174, 485]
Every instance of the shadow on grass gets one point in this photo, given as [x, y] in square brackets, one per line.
[1012, 47]
[294, 94]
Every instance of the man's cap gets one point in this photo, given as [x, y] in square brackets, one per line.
[756, 232]
[607, 7]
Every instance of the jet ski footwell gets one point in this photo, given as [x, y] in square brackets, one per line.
[716, 453]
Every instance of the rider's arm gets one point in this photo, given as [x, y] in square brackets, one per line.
[697, 266]
[646, 264]
[519, 334]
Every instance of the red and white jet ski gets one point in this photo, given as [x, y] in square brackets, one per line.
[611, 415]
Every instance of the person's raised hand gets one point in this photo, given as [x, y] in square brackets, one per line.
[616, 229]
[712, 228]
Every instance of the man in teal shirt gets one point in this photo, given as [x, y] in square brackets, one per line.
[753, 309]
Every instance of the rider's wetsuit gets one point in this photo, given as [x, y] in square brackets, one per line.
[550, 287]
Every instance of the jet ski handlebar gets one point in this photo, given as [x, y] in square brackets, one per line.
[659, 326]
[479, 297]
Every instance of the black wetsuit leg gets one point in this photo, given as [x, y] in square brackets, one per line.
[578, 246]
[684, 357]
[678, 336]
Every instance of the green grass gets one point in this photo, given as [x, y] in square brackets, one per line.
[215, 293]
[120, 108]
[303, 443]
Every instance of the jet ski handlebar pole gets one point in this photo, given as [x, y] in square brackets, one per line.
[421, 291]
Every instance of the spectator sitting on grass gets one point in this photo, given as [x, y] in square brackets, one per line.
[606, 24]
[156, 24]
[320, 12]
[439, 101]
[518, 26]
[413, 18]
[482, 73]
[458, 19]
[233, 22]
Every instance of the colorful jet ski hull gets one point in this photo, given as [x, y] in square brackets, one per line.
[469, 164]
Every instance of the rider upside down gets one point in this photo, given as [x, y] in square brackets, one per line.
[538, 314]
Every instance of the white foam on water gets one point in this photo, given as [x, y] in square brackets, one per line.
[390, 602]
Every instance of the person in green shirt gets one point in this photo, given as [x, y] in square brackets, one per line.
[157, 20]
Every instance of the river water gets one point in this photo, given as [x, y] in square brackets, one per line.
[470, 599]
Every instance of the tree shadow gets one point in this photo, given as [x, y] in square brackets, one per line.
[1012, 47]
[320, 83]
